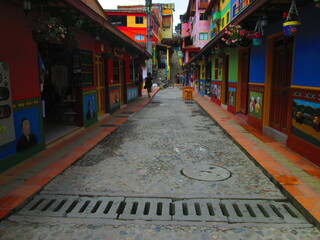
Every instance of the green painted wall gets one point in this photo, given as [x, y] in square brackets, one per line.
[233, 64]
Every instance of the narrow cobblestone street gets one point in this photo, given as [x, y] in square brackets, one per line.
[158, 154]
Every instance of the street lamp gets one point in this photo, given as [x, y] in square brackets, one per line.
[26, 5]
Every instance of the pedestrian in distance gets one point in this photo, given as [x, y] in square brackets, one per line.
[148, 84]
[178, 77]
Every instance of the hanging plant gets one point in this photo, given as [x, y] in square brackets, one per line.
[48, 29]
[256, 36]
[317, 3]
[292, 22]
[235, 34]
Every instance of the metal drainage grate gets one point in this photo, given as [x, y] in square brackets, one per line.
[108, 125]
[210, 210]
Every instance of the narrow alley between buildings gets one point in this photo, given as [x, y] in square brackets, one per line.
[168, 172]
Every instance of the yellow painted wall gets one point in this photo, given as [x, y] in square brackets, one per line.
[167, 12]
[131, 22]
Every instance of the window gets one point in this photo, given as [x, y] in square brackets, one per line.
[116, 71]
[139, 20]
[139, 37]
[222, 22]
[203, 16]
[228, 17]
[234, 10]
[166, 22]
[203, 36]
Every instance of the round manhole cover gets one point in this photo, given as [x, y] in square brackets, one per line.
[206, 172]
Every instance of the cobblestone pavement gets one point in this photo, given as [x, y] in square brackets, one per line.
[144, 158]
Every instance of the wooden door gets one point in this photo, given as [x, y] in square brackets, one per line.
[245, 62]
[122, 82]
[281, 81]
[101, 88]
[226, 79]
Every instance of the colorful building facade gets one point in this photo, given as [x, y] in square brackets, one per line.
[272, 82]
[59, 75]
[132, 21]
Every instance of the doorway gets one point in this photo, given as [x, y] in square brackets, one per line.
[281, 80]
[225, 80]
[101, 88]
[245, 62]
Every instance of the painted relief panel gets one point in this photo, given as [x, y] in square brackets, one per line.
[232, 97]
[255, 108]
[216, 91]
[90, 108]
[306, 121]
[132, 93]
[114, 99]
[27, 128]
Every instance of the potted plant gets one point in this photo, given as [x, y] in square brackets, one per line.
[292, 22]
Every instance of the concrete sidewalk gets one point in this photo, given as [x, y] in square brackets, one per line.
[298, 179]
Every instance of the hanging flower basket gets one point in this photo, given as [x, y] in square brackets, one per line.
[257, 41]
[291, 28]
[257, 35]
[292, 24]
[235, 34]
[48, 29]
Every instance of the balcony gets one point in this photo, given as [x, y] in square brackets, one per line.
[216, 15]
[192, 12]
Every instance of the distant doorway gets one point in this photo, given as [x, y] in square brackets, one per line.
[245, 63]
[280, 84]
[225, 80]
[101, 88]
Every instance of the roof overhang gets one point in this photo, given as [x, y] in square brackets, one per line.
[94, 22]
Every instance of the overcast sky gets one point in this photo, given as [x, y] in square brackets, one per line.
[180, 6]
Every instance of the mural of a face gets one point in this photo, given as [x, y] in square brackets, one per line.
[26, 128]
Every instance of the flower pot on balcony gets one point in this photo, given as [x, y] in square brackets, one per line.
[291, 28]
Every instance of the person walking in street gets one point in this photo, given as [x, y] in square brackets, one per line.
[182, 79]
[177, 77]
[148, 84]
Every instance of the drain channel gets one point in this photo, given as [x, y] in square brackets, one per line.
[161, 209]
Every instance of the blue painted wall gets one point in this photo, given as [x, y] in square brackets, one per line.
[257, 64]
[306, 71]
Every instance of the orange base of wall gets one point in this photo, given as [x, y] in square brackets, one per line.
[216, 100]
[305, 149]
[232, 109]
[255, 122]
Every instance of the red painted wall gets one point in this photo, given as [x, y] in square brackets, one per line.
[20, 51]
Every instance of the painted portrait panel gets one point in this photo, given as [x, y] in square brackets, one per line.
[27, 125]
[90, 107]
[255, 104]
